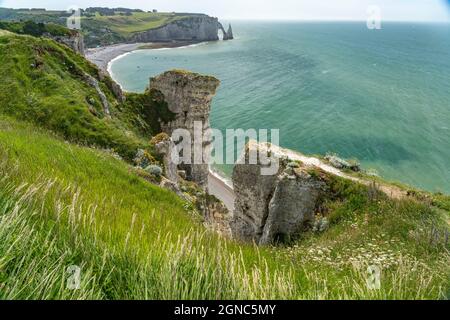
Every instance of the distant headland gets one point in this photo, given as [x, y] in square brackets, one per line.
[109, 26]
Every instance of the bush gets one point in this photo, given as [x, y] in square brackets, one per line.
[159, 138]
[154, 170]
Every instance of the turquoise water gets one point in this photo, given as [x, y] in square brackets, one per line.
[381, 96]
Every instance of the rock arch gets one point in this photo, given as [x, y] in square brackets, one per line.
[227, 35]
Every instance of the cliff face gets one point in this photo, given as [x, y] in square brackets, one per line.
[275, 207]
[75, 41]
[199, 28]
[281, 206]
[188, 96]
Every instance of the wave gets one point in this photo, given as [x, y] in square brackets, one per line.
[109, 66]
[110, 63]
[181, 47]
[221, 176]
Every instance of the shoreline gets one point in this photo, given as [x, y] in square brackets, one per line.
[102, 57]
[221, 189]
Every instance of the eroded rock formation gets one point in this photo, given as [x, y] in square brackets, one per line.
[189, 97]
[230, 35]
[227, 35]
[95, 84]
[164, 146]
[292, 206]
[275, 207]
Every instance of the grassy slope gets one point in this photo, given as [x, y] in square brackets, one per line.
[82, 179]
[44, 82]
[36, 16]
[37, 29]
[138, 21]
[63, 205]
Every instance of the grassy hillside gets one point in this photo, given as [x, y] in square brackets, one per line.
[45, 16]
[45, 83]
[64, 204]
[35, 29]
[136, 22]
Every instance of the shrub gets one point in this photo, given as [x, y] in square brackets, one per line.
[154, 170]
[159, 138]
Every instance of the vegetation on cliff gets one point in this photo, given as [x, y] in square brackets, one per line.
[35, 29]
[46, 83]
[64, 204]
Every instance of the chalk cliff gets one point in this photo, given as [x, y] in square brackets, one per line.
[189, 97]
[195, 28]
[74, 41]
[230, 35]
[277, 207]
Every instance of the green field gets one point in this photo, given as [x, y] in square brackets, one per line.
[66, 203]
[139, 21]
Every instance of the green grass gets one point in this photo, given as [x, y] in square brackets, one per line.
[4, 33]
[44, 82]
[64, 205]
[138, 21]
[36, 29]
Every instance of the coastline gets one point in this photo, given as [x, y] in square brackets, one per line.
[103, 57]
[221, 189]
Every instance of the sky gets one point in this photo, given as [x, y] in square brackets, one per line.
[399, 10]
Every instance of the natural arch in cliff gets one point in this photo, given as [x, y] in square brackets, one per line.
[226, 35]
[222, 33]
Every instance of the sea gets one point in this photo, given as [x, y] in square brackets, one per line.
[379, 96]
